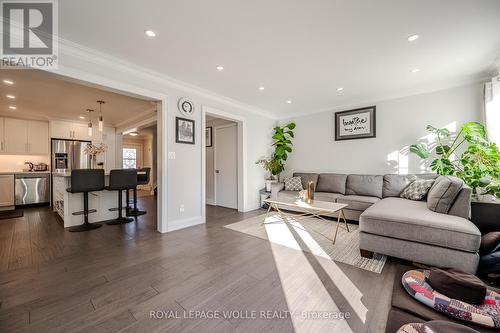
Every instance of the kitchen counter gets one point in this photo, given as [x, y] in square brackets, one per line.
[65, 203]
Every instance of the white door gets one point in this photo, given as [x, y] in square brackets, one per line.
[226, 166]
[38, 137]
[2, 142]
[16, 136]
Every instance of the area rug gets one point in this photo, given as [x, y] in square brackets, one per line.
[312, 235]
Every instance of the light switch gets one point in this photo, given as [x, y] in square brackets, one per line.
[171, 155]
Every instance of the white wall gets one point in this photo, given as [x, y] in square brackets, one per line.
[400, 122]
[184, 173]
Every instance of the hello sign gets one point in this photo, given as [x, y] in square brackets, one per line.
[355, 124]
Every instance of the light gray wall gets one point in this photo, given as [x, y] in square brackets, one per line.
[400, 122]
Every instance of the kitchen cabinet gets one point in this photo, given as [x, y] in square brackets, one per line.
[21, 136]
[16, 136]
[38, 137]
[69, 130]
[6, 190]
[2, 142]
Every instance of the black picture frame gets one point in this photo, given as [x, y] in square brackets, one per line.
[372, 112]
[208, 136]
[187, 135]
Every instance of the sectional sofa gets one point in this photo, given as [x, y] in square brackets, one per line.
[395, 226]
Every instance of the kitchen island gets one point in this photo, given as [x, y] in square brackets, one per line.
[65, 204]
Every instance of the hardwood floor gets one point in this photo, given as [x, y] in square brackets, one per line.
[110, 279]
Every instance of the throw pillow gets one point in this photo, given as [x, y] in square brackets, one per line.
[293, 184]
[443, 193]
[457, 285]
[489, 242]
[417, 189]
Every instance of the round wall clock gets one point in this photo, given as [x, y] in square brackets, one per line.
[186, 107]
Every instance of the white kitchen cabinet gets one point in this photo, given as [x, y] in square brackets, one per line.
[6, 190]
[38, 137]
[2, 140]
[69, 130]
[16, 136]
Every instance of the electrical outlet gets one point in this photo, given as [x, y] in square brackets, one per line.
[171, 155]
[181, 209]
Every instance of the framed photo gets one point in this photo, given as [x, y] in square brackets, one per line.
[355, 124]
[208, 136]
[184, 130]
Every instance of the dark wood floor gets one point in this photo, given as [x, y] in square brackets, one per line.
[110, 279]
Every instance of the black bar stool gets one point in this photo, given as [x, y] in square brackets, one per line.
[142, 179]
[121, 180]
[85, 181]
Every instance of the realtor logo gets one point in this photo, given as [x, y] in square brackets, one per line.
[28, 34]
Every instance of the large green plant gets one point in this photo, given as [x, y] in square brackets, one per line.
[479, 163]
[282, 142]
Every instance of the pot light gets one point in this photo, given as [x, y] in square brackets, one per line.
[413, 38]
[261, 88]
[220, 68]
[12, 107]
[8, 82]
[133, 134]
[415, 70]
[10, 96]
[150, 33]
[81, 117]
[340, 89]
[289, 102]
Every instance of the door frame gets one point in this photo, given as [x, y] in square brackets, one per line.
[215, 160]
[242, 156]
[117, 86]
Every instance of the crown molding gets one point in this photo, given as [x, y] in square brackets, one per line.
[355, 103]
[97, 58]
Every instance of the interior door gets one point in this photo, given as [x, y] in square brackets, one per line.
[226, 166]
[16, 135]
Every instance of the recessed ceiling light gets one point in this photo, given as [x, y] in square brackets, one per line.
[81, 117]
[10, 96]
[8, 82]
[150, 33]
[415, 70]
[133, 134]
[340, 89]
[261, 88]
[413, 38]
[289, 102]
[12, 107]
[220, 68]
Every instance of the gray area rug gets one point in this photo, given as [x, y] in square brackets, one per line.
[312, 235]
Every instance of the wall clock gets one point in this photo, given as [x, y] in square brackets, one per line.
[186, 107]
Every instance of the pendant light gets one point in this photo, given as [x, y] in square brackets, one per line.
[101, 121]
[90, 122]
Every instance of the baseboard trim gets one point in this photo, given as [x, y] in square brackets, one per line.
[252, 206]
[210, 202]
[184, 223]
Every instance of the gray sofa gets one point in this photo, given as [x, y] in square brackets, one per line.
[399, 227]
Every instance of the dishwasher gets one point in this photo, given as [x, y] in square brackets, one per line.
[32, 189]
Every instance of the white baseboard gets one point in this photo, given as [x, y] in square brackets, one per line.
[184, 223]
[210, 202]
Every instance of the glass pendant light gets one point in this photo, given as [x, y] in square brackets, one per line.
[90, 132]
[101, 120]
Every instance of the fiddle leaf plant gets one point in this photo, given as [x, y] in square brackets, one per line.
[479, 163]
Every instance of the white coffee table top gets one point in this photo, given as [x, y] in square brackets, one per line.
[315, 205]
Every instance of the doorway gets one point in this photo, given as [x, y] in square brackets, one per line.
[221, 154]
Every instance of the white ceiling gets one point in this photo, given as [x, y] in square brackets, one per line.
[42, 95]
[299, 50]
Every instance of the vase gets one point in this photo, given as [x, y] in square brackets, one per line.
[310, 191]
[93, 162]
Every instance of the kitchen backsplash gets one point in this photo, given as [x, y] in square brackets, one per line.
[15, 163]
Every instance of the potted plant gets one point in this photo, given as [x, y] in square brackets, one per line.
[94, 150]
[470, 156]
[282, 146]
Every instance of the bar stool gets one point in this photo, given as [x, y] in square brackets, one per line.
[121, 180]
[142, 179]
[85, 181]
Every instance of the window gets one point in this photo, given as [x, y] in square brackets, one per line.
[129, 158]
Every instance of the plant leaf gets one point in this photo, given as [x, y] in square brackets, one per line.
[420, 150]
[443, 150]
[442, 166]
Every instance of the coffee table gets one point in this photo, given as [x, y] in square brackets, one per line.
[316, 209]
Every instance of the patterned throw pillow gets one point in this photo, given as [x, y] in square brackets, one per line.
[417, 189]
[293, 184]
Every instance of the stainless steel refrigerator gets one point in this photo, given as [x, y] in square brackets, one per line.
[69, 155]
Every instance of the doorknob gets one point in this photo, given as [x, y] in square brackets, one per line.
[216, 171]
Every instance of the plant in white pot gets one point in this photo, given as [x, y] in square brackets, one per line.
[273, 167]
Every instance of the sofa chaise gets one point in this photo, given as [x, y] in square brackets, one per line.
[395, 226]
